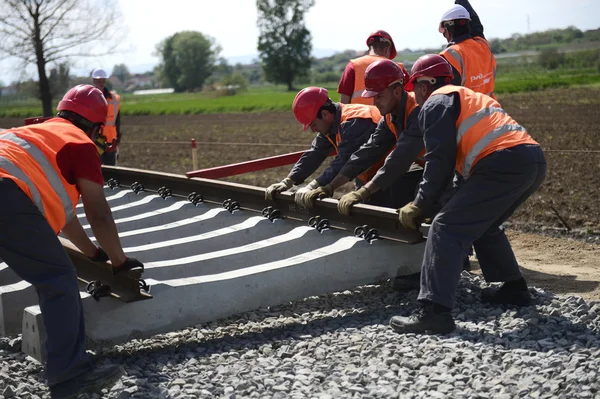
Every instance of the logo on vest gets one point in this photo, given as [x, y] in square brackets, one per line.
[481, 76]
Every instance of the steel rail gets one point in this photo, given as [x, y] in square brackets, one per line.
[383, 220]
[122, 286]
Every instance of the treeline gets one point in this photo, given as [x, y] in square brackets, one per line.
[537, 41]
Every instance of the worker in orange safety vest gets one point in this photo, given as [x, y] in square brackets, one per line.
[352, 83]
[112, 127]
[469, 53]
[395, 149]
[341, 130]
[44, 169]
[497, 165]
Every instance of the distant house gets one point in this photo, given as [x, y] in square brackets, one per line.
[9, 90]
[117, 84]
[139, 81]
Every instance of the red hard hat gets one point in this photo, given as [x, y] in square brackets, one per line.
[307, 104]
[386, 37]
[87, 102]
[429, 65]
[380, 75]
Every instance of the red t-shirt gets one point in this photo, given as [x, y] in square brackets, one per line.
[346, 85]
[80, 161]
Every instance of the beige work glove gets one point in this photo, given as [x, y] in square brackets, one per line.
[301, 193]
[276, 188]
[345, 203]
[308, 200]
[410, 216]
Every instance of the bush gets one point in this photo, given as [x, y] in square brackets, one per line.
[551, 58]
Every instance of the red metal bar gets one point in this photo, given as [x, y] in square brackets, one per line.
[37, 119]
[245, 167]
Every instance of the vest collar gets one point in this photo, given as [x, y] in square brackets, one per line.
[460, 39]
[398, 119]
[336, 120]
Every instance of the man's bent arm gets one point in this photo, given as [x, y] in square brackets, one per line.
[100, 218]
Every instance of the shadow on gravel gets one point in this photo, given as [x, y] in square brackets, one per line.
[568, 282]
[547, 281]
[269, 334]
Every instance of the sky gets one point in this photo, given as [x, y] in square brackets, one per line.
[335, 25]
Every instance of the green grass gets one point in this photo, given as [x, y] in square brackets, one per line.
[511, 79]
[538, 79]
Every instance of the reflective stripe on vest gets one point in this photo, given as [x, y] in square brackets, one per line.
[482, 128]
[360, 66]
[484, 142]
[475, 63]
[13, 170]
[48, 171]
[115, 103]
[411, 104]
[109, 131]
[458, 57]
[354, 111]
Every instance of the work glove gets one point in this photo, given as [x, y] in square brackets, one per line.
[345, 203]
[130, 266]
[410, 216]
[276, 188]
[308, 200]
[100, 256]
[301, 193]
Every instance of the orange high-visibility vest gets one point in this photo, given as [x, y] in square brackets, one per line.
[110, 128]
[28, 157]
[482, 128]
[411, 104]
[353, 111]
[476, 64]
[360, 66]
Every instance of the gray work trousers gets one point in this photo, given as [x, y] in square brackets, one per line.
[498, 185]
[30, 247]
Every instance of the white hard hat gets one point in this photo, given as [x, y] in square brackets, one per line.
[456, 12]
[99, 73]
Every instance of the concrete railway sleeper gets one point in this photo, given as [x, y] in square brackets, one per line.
[212, 249]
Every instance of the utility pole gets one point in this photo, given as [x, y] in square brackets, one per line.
[528, 24]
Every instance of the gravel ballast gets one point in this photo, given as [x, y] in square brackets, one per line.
[340, 345]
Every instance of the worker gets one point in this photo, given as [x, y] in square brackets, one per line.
[468, 52]
[351, 86]
[44, 168]
[341, 130]
[497, 167]
[112, 128]
[397, 136]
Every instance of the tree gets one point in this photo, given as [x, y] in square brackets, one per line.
[187, 59]
[46, 32]
[59, 79]
[284, 43]
[121, 71]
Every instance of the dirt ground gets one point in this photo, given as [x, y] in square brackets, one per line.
[564, 121]
[562, 266]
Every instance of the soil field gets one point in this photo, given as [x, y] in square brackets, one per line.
[564, 121]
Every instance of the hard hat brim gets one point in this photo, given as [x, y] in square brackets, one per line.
[369, 93]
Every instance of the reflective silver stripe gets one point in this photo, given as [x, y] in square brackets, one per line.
[473, 119]
[462, 71]
[18, 173]
[357, 93]
[116, 103]
[487, 44]
[48, 170]
[483, 142]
